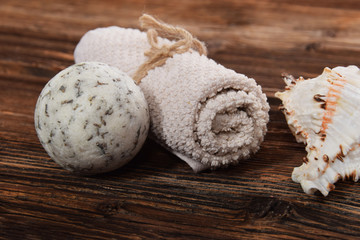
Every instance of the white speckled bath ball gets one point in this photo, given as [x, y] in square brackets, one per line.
[91, 118]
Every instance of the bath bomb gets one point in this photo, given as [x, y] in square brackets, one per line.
[91, 118]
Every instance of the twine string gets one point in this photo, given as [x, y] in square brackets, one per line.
[158, 54]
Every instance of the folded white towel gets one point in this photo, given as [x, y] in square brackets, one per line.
[206, 114]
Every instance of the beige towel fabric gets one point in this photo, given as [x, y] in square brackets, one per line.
[206, 114]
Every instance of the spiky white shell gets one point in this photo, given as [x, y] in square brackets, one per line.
[324, 113]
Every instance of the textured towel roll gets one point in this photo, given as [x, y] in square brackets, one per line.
[206, 114]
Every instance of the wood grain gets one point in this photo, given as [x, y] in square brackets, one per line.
[157, 196]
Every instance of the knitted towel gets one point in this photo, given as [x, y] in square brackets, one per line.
[206, 114]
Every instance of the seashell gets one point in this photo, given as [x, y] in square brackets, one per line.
[323, 113]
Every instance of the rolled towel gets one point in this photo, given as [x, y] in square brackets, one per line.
[206, 114]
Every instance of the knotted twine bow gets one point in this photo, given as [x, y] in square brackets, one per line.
[157, 55]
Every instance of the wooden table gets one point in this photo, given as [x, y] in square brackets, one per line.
[157, 196]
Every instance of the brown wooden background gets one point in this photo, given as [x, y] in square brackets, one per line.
[157, 196]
